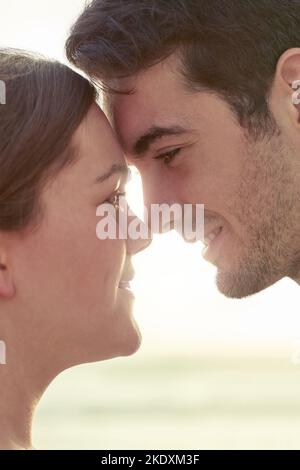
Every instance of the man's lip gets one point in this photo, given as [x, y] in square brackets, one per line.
[214, 248]
[217, 228]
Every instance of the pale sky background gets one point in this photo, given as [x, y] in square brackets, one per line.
[178, 306]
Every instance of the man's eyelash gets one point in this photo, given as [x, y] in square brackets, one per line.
[168, 157]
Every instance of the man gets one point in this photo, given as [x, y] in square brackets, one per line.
[202, 96]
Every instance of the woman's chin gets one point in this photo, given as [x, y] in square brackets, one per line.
[129, 337]
[134, 341]
[125, 344]
[126, 338]
[128, 329]
[107, 336]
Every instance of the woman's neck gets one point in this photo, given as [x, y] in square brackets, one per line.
[17, 406]
[23, 380]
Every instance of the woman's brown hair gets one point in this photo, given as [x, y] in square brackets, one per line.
[44, 103]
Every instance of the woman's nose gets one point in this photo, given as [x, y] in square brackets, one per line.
[138, 236]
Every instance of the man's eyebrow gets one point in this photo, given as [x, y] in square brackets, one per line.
[122, 169]
[143, 143]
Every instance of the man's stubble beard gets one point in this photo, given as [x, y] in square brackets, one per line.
[267, 205]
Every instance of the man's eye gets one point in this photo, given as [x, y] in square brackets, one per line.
[168, 157]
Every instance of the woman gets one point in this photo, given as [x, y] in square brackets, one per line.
[64, 297]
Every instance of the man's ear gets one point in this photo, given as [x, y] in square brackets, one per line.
[7, 288]
[287, 85]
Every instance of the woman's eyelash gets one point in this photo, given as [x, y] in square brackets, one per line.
[115, 198]
[168, 157]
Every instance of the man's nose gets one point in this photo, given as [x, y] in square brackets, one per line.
[138, 236]
[159, 194]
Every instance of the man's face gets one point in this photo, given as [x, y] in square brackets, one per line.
[189, 148]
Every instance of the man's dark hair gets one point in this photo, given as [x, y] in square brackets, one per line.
[230, 47]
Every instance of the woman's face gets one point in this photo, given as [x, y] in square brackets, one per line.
[67, 295]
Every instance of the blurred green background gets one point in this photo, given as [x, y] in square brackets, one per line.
[206, 402]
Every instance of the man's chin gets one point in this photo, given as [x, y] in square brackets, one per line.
[239, 286]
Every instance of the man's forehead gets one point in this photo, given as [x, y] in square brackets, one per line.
[170, 69]
[152, 99]
[133, 123]
[147, 84]
[138, 135]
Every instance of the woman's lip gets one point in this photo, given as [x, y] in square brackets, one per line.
[126, 277]
[124, 285]
[212, 250]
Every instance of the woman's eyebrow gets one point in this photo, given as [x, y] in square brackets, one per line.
[155, 133]
[115, 169]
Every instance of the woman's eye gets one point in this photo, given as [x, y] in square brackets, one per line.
[115, 199]
[168, 157]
